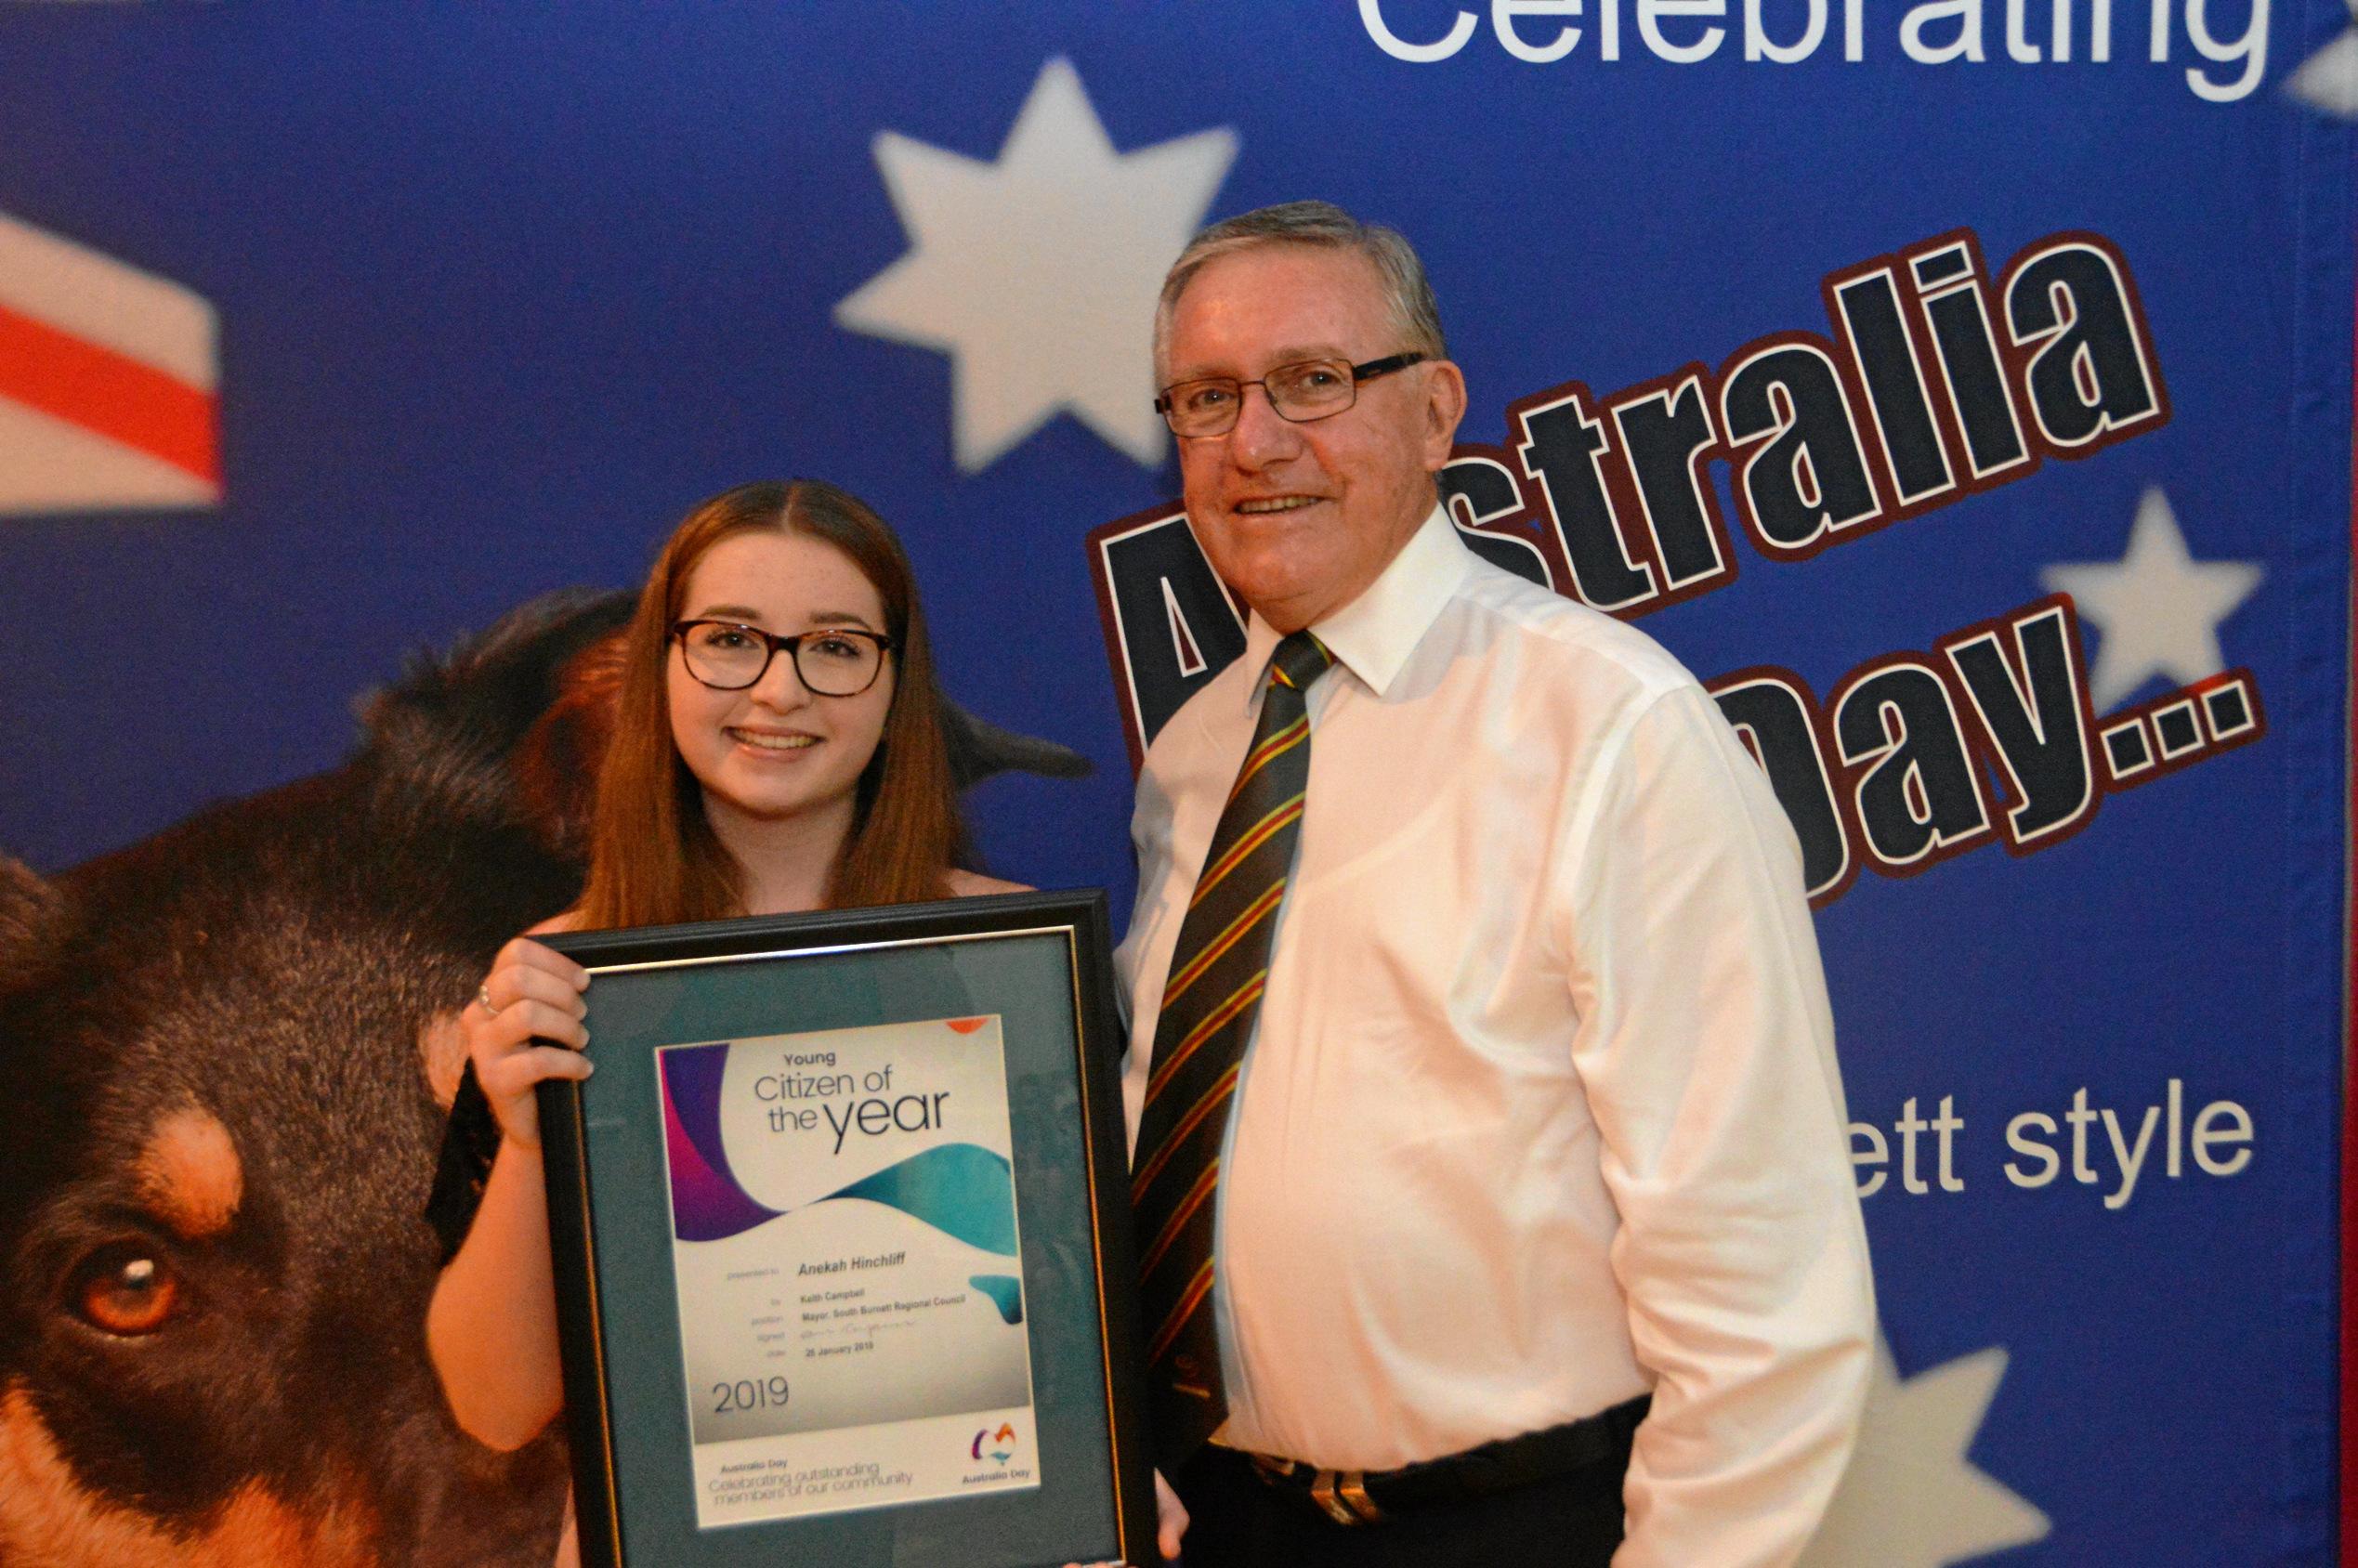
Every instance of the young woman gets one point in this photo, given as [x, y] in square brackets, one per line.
[777, 746]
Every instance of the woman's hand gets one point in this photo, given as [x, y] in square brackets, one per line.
[533, 995]
[1170, 1523]
[1171, 1518]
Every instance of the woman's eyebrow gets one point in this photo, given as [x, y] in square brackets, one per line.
[753, 617]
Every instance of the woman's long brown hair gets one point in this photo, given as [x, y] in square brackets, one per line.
[653, 856]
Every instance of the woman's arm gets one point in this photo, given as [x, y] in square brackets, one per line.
[490, 1329]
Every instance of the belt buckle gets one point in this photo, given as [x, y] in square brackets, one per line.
[1343, 1495]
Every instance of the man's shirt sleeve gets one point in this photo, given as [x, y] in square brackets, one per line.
[1706, 1046]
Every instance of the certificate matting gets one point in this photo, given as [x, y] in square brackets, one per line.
[1058, 1473]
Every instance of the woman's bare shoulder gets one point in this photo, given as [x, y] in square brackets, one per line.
[967, 885]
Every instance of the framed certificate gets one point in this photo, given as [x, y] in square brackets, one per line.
[841, 1237]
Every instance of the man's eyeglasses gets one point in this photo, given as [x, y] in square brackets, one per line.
[831, 661]
[1312, 389]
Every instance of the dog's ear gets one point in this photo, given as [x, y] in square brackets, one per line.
[980, 748]
[511, 726]
[29, 910]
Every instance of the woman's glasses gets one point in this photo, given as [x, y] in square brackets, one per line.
[830, 662]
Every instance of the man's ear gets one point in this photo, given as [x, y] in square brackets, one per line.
[1444, 406]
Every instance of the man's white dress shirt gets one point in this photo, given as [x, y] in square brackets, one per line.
[1541, 1111]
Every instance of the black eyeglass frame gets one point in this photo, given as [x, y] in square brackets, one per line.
[1367, 371]
[792, 647]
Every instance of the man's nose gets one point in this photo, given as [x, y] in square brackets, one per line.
[1263, 435]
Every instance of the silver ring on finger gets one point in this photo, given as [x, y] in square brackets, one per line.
[483, 1001]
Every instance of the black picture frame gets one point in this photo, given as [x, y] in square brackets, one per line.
[1040, 966]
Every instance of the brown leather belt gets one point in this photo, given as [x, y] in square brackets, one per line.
[1598, 1443]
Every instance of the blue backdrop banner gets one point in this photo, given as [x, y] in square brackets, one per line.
[1962, 388]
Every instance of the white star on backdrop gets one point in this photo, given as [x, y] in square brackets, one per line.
[1038, 274]
[2328, 79]
[2159, 609]
[1911, 1499]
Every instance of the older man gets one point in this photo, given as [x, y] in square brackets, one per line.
[1485, 1118]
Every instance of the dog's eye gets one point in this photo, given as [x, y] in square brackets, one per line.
[126, 1290]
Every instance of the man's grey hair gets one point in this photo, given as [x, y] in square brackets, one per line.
[1415, 314]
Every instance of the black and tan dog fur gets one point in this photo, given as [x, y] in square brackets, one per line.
[224, 1055]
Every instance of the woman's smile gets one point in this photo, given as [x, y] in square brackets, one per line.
[768, 743]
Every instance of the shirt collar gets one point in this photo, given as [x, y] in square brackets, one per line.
[1374, 633]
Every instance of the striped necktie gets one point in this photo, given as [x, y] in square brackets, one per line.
[1209, 1008]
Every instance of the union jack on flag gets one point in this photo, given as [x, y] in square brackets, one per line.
[109, 383]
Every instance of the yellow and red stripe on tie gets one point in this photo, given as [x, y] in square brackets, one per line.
[1190, 1299]
[1262, 754]
[1222, 1087]
[1284, 814]
[1278, 672]
[1243, 997]
[1193, 1199]
[1245, 920]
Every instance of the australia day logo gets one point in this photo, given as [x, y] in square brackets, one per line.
[1000, 1444]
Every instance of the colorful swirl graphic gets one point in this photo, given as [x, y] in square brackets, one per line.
[964, 1190]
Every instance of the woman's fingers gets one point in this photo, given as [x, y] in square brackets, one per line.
[511, 982]
[514, 1075]
[520, 1014]
[527, 1025]
[508, 1083]
[1171, 1522]
[520, 1023]
[1170, 1517]
[523, 952]
[505, 988]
